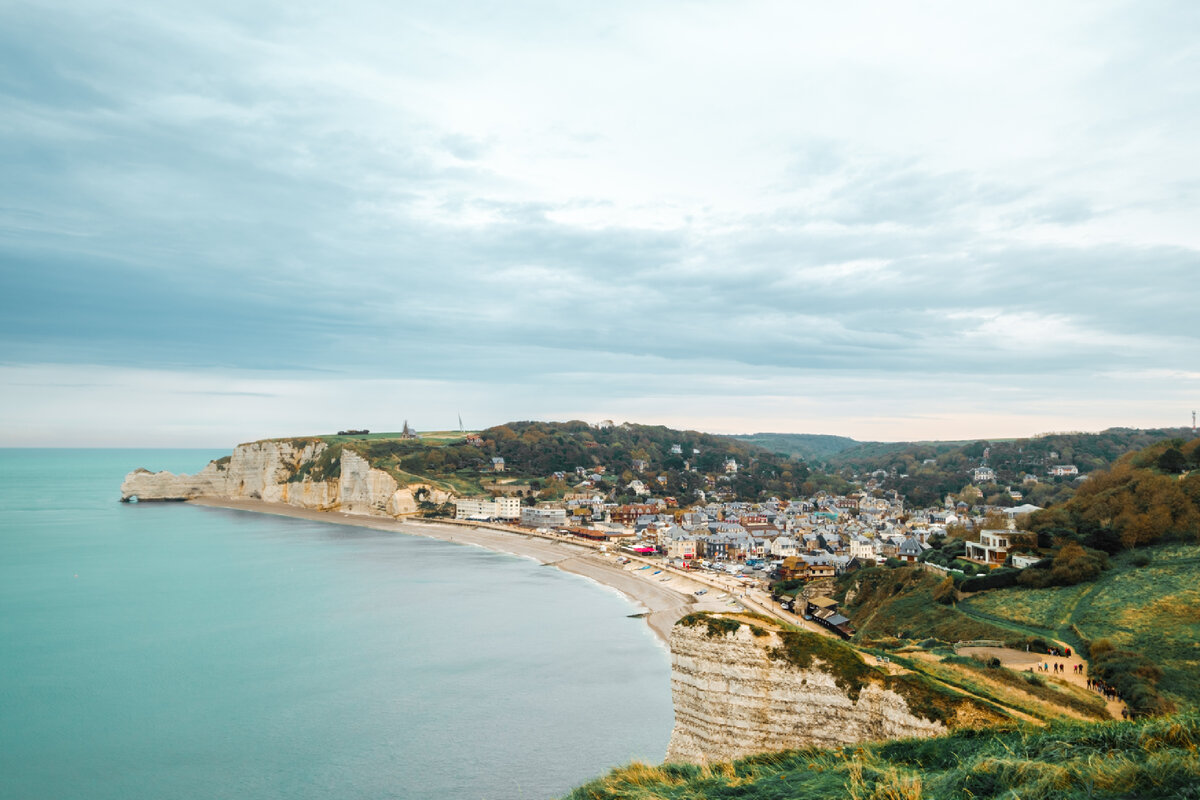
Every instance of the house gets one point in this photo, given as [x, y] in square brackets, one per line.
[1027, 508]
[983, 475]
[731, 466]
[680, 543]
[497, 464]
[861, 547]
[806, 568]
[824, 611]
[474, 439]
[1023, 560]
[783, 546]
[1063, 470]
[993, 546]
[910, 550]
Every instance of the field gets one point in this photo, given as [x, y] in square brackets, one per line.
[433, 437]
[1152, 609]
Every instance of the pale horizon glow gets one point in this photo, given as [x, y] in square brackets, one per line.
[888, 221]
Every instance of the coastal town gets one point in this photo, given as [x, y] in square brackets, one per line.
[775, 541]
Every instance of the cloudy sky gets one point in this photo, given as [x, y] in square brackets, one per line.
[231, 220]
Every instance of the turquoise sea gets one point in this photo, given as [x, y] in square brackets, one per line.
[170, 651]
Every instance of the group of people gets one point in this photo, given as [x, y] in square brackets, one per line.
[1056, 668]
[1097, 685]
[1094, 684]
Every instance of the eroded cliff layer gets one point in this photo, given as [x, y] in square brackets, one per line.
[302, 473]
[741, 688]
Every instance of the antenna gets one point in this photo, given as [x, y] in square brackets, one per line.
[460, 425]
[1193, 423]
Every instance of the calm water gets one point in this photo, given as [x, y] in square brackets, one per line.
[165, 651]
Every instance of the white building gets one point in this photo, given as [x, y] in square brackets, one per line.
[861, 547]
[487, 508]
[544, 517]
[984, 475]
[475, 508]
[508, 507]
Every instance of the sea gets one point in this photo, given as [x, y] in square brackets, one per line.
[162, 650]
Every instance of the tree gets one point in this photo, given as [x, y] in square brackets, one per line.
[1172, 461]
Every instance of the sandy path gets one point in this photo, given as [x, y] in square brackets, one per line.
[1022, 661]
[664, 601]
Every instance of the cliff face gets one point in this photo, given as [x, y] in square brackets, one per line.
[274, 471]
[733, 698]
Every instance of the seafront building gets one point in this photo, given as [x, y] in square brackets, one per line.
[487, 508]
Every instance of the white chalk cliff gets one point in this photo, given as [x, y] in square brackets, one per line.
[732, 699]
[273, 471]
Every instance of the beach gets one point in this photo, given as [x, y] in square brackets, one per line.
[663, 603]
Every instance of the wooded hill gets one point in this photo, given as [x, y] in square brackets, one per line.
[670, 462]
[951, 463]
[1150, 496]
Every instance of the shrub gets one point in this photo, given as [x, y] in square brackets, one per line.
[945, 593]
[1073, 564]
[998, 579]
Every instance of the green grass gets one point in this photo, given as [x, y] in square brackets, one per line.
[1068, 761]
[898, 603]
[1153, 610]
[1053, 696]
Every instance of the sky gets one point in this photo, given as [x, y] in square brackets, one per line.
[233, 220]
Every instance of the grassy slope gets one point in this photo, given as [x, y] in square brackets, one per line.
[1155, 758]
[1154, 610]
[899, 603]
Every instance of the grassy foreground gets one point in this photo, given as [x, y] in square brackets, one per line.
[1154, 758]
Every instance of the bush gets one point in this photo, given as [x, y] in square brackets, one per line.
[1141, 560]
[1134, 676]
[998, 579]
[1073, 564]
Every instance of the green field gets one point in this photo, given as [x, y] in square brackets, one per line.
[1153, 610]
[432, 437]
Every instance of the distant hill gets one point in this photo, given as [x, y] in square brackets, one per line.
[808, 446]
[925, 472]
[552, 456]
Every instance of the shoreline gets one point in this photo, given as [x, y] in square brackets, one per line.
[662, 605]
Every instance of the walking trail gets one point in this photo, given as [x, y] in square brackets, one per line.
[1023, 661]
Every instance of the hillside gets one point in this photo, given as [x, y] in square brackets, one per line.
[1150, 496]
[812, 447]
[1149, 759]
[1148, 603]
[670, 462]
[925, 472]
[552, 457]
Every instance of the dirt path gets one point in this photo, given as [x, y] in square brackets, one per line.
[1023, 661]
